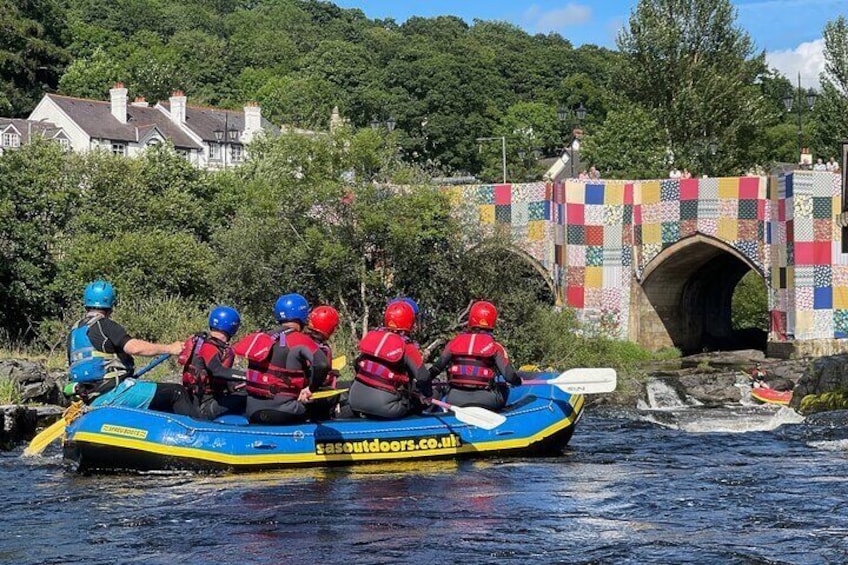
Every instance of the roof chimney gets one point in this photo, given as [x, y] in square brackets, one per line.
[140, 102]
[336, 120]
[252, 120]
[118, 95]
[178, 107]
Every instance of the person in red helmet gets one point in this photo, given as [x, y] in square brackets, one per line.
[321, 324]
[473, 359]
[389, 369]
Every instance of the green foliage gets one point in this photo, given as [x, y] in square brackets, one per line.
[749, 307]
[10, 392]
[835, 400]
[831, 108]
[91, 77]
[630, 144]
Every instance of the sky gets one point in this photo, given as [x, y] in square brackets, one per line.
[789, 31]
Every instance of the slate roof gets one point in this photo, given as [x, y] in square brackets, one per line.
[25, 127]
[204, 121]
[95, 117]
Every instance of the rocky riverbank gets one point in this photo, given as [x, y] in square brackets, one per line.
[708, 379]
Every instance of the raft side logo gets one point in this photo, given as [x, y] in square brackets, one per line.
[124, 431]
[388, 445]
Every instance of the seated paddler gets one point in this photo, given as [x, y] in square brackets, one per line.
[100, 351]
[285, 366]
[321, 324]
[474, 360]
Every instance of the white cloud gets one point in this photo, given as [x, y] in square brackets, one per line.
[555, 20]
[807, 58]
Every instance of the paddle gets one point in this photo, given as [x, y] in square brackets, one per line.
[57, 428]
[471, 415]
[581, 381]
[327, 393]
[340, 362]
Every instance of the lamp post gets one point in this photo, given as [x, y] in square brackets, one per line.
[226, 136]
[390, 124]
[788, 102]
[503, 151]
[563, 114]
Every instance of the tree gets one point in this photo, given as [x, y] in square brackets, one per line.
[91, 77]
[831, 109]
[689, 63]
[630, 144]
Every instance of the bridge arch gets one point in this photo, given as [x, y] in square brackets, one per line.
[685, 294]
[510, 249]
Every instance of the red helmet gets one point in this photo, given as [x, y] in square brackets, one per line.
[399, 316]
[324, 320]
[482, 315]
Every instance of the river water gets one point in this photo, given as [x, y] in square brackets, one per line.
[688, 485]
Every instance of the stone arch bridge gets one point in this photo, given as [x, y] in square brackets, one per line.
[657, 261]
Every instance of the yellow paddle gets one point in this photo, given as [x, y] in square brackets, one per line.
[339, 362]
[327, 393]
[53, 431]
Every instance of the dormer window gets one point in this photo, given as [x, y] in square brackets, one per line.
[11, 140]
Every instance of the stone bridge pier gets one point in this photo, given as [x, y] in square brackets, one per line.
[657, 261]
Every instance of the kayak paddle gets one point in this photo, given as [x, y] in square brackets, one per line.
[340, 362]
[57, 428]
[327, 393]
[471, 415]
[581, 381]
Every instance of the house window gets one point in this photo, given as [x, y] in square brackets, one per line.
[184, 153]
[215, 152]
[119, 148]
[64, 143]
[236, 153]
[11, 140]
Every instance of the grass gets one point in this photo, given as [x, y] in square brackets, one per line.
[10, 393]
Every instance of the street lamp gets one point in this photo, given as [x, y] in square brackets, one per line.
[563, 114]
[788, 102]
[390, 123]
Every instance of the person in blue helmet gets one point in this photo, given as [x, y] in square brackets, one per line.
[100, 351]
[285, 366]
[210, 386]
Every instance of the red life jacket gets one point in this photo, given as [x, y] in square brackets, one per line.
[197, 351]
[473, 360]
[380, 364]
[264, 379]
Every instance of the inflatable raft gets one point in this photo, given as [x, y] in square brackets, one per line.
[540, 419]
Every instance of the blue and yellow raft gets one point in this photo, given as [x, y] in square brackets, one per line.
[540, 420]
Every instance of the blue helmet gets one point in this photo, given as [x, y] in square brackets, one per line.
[224, 319]
[99, 294]
[413, 304]
[291, 308]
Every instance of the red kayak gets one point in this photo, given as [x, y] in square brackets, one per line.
[771, 396]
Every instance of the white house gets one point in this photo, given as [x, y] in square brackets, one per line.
[16, 132]
[207, 137]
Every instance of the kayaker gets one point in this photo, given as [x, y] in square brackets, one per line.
[100, 351]
[321, 324]
[212, 386]
[284, 366]
[390, 372]
[473, 359]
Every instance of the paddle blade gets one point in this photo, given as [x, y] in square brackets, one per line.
[479, 417]
[340, 363]
[586, 381]
[327, 393]
[45, 438]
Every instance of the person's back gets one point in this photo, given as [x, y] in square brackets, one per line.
[389, 368]
[474, 359]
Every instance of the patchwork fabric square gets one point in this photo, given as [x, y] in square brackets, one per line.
[748, 209]
[748, 229]
[594, 235]
[613, 236]
[593, 298]
[727, 229]
[688, 227]
[503, 194]
[627, 214]
[804, 298]
[670, 232]
[728, 209]
[613, 215]
[485, 194]
[594, 277]
[540, 210]
[708, 226]
[651, 214]
[708, 188]
[840, 323]
[520, 215]
[649, 251]
[822, 230]
[688, 189]
[651, 233]
[822, 183]
[503, 214]
[559, 255]
[823, 322]
[637, 235]
[629, 190]
[728, 188]
[822, 207]
[650, 192]
[487, 213]
[594, 194]
[536, 231]
[790, 253]
[840, 275]
[790, 231]
[823, 298]
[612, 256]
[804, 276]
[749, 187]
[594, 214]
[627, 235]
[614, 194]
[611, 298]
[574, 296]
[670, 190]
[576, 235]
[788, 186]
[627, 257]
[822, 276]
[559, 234]
[670, 211]
[688, 209]
[575, 276]
[749, 249]
[803, 206]
[708, 209]
[840, 297]
[576, 255]
[574, 213]
[594, 256]
[575, 192]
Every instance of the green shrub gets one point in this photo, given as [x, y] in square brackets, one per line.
[835, 400]
[10, 393]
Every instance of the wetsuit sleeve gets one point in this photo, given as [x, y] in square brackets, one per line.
[319, 364]
[505, 368]
[414, 364]
[441, 364]
[217, 369]
[108, 336]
